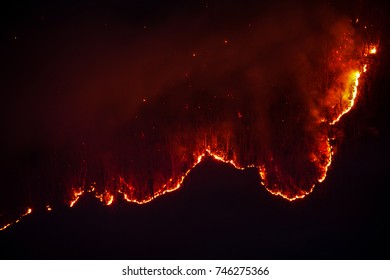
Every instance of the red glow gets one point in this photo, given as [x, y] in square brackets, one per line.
[339, 98]
[322, 159]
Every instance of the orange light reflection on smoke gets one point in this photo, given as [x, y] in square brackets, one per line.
[349, 95]
[219, 156]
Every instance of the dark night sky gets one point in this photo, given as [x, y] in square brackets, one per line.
[67, 69]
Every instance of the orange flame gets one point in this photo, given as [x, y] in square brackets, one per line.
[329, 154]
[29, 211]
[76, 197]
[354, 79]
[349, 97]
[164, 189]
[106, 197]
[302, 193]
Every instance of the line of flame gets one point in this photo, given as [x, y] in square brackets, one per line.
[355, 75]
[29, 211]
[77, 195]
[262, 171]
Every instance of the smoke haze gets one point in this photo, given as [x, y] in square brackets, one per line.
[102, 98]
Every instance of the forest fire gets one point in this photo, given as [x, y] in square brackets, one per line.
[163, 189]
[321, 158]
[280, 114]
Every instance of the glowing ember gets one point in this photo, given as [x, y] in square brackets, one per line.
[7, 225]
